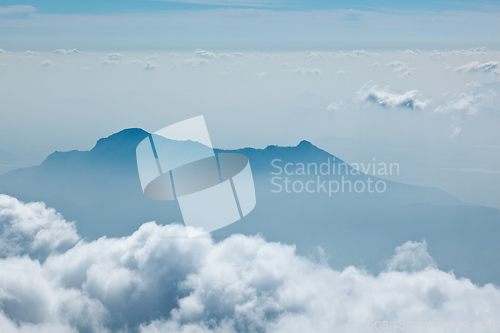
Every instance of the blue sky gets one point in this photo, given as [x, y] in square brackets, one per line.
[118, 6]
[265, 25]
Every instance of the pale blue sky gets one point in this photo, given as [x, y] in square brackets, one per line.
[247, 25]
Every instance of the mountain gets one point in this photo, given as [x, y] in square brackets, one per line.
[101, 191]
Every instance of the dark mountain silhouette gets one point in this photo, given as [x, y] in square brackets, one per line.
[101, 191]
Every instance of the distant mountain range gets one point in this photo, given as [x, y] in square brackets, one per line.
[101, 191]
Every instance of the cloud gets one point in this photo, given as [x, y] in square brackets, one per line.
[478, 67]
[31, 53]
[436, 55]
[455, 133]
[467, 102]
[334, 106]
[312, 55]
[471, 52]
[231, 55]
[17, 9]
[409, 53]
[400, 67]
[386, 98]
[306, 71]
[195, 62]
[65, 52]
[157, 280]
[46, 63]
[204, 54]
[150, 65]
[33, 229]
[411, 256]
[114, 56]
[2, 51]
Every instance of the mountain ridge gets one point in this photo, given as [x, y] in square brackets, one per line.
[101, 191]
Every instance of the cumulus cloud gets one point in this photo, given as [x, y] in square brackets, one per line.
[150, 65]
[2, 51]
[65, 52]
[411, 256]
[400, 67]
[387, 98]
[33, 229]
[306, 71]
[478, 67]
[204, 54]
[467, 102]
[158, 280]
[17, 9]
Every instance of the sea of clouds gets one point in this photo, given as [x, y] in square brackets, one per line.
[157, 280]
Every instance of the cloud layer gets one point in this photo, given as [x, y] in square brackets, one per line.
[157, 280]
[387, 98]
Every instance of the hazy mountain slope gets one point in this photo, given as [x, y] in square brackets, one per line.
[100, 189]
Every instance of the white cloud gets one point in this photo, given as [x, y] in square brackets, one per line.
[411, 256]
[387, 98]
[352, 54]
[204, 54]
[31, 53]
[400, 67]
[150, 65]
[312, 55]
[114, 56]
[436, 55]
[341, 72]
[65, 52]
[471, 52]
[455, 133]
[409, 53]
[478, 67]
[2, 51]
[195, 62]
[231, 55]
[467, 102]
[306, 71]
[33, 229]
[17, 9]
[157, 280]
[334, 106]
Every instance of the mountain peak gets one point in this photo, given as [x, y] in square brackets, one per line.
[126, 136]
[305, 143]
